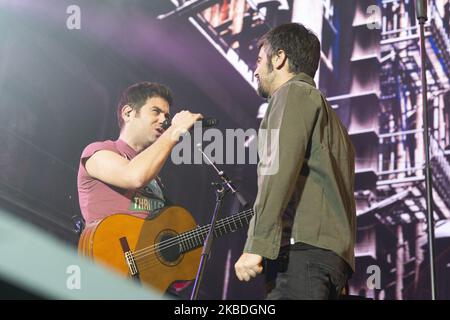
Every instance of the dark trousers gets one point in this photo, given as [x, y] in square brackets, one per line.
[305, 272]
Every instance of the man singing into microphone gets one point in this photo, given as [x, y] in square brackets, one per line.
[121, 176]
[304, 222]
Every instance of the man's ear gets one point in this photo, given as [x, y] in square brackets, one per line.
[126, 112]
[279, 59]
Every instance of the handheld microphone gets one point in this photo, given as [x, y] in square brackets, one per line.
[206, 122]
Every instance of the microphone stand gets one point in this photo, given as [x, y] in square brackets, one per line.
[221, 189]
[421, 9]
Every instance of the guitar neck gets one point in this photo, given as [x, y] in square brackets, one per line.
[195, 238]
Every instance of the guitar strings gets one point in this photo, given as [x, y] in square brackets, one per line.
[189, 234]
[194, 232]
[154, 261]
[149, 263]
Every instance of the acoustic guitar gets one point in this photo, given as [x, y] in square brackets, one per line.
[158, 250]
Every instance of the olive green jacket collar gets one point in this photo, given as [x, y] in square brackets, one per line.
[303, 77]
[299, 77]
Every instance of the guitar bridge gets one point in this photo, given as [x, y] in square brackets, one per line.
[129, 258]
[131, 264]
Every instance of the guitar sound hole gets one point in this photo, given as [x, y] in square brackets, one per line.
[169, 248]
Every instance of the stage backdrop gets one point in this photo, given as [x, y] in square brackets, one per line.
[63, 65]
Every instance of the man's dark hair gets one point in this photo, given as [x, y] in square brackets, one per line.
[301, 45]
[137, 94]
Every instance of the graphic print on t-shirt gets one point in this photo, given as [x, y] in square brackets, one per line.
[148, 198]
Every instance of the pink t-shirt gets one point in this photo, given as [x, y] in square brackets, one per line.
[99, 200]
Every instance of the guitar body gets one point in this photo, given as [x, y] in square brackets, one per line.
[157, 269]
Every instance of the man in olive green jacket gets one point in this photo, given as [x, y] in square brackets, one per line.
[305, 218]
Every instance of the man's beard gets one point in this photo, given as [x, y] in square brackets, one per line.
[262, 91]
